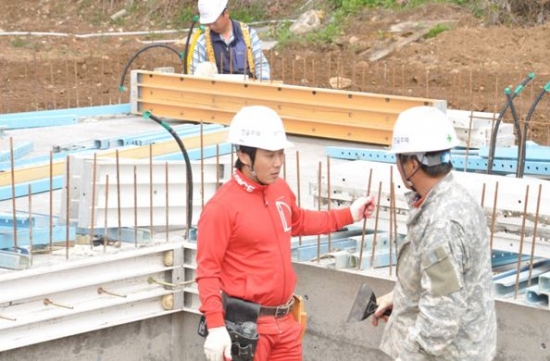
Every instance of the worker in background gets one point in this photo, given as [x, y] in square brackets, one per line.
[234, 47]
[442, 303]
[244, 268]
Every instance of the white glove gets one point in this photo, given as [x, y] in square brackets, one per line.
[217, 344]
[206, 68]
[362, 207]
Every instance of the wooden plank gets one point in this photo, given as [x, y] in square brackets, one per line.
[316, 112]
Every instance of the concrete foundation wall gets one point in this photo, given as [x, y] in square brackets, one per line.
[523, 331]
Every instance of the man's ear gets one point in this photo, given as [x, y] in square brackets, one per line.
[244, 158]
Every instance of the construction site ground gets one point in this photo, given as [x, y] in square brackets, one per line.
[468, 65]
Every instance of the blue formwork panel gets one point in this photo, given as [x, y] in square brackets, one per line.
[21, 220]
[534, 296]
[536, 164]
[505, 283]
[40, 236]
[47, 118]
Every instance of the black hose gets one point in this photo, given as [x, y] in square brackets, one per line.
[515, 117]
[189, 211]
[492, 144]
[521, 158]
[186, 50]
[121, 87]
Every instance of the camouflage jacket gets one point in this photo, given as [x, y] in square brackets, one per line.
[443, 298]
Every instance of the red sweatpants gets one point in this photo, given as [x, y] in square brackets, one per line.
[279, 339]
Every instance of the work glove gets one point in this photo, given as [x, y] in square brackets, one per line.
[362, 207]
[217, 344]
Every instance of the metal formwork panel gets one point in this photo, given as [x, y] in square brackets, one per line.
[63, 299]
[151, 193]
[509, 232]
[325, 113]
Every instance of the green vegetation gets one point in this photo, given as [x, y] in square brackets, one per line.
[19, 43]
[436, 30]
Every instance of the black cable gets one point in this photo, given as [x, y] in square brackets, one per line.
[515, 117]
[492, 144]
[189, 211]
[521, 158]
[121, 87]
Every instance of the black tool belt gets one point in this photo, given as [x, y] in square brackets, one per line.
[277, 311]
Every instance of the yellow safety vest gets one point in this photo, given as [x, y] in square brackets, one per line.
[210, 49]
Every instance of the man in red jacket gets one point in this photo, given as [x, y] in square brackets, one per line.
[243, 245]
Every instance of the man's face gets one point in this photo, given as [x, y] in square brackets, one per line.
[267, 165]
[220, 24]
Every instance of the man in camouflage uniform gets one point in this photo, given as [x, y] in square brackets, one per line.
[442, 304]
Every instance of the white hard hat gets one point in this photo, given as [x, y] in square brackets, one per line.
[423, 129]
[258, 127]
[210, 10]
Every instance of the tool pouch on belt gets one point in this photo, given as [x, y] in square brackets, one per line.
[299, 313]
[241, 322]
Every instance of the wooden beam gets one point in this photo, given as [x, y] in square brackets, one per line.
[317, 112]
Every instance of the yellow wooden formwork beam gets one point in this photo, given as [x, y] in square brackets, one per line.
[325, 113]
[42, 171]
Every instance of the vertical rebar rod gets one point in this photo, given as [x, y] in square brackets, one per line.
[151, 189]
[52, 83]
[493, 218]
[305, 68]
[522, 236]
[535, 225]
[427, 83]
[471, 90]
[31, 226]
[118, 200]
[319, 195]
[298, 191]
[106, 214]
[375, 234]
[402, 79]
[51, 201]
[35, 80]
[67, 205]
[391, 235]
[202, 164]
[217, 166]
[293, 71]
[394, 214]
[329, 236]
[313, 72]
[391, 221]
[167, 200]
[67, 79]
[135, 208]
[76, 83]
[468, 140]
[364, 228]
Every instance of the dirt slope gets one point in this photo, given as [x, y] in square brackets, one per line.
[468, 65]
